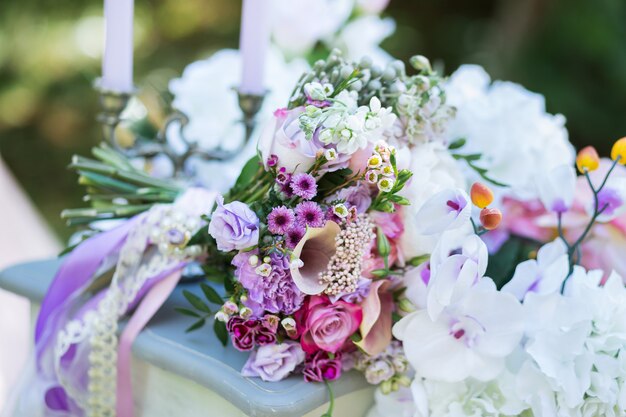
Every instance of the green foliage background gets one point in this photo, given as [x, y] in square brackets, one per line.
[572, 51]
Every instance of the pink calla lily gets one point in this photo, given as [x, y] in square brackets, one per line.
[376, 325]
[314, 252]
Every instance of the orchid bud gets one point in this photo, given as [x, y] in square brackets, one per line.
[619, 151]
[490, 218]
[481, 195]
[587, 160]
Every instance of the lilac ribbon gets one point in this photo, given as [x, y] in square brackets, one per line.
[147, 308]
[76, 271]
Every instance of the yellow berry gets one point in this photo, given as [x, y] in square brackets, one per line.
[619, 151]
[481, 195]
[587, 159]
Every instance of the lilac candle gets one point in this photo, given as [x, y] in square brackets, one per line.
[253, 45]
[117, 65]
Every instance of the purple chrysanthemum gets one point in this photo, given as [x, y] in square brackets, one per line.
[310, 214]
[304, 185]
[280, 220]
[294, 235]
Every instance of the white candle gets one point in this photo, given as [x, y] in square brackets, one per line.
[117, 65]
[253, 44]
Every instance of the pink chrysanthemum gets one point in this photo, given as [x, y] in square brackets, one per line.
[310, 214]
[304, 185]
[294, 235]
[280, 220]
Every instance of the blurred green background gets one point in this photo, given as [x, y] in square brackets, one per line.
[572, 51]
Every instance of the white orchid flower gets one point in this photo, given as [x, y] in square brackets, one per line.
[556, 188]
[545, 275]
[446, 210]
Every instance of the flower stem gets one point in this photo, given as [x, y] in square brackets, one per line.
[573, 250]
[331, 406]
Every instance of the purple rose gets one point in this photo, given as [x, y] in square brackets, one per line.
[273, 362]
[320, 367]
[234, 226]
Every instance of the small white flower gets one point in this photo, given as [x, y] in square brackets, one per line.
[317, 91]
[341, 210]
[379, 371]
[387, 170]
[371, 177]
[264, 270]
[386, 184]
[374, 161]
[330, 154]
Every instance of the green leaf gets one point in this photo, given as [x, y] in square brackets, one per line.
[211, 294]
[197, 325]
[220, 331]
[187, 312]
[457, 144]
[196, 301]
[248, 172]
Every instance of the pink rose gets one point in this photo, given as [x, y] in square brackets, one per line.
[327, 326]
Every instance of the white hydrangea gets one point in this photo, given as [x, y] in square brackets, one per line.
[468, 398]
[204, 93]
[575, 363]
[509, 126]
[297, 25]
[362, 37]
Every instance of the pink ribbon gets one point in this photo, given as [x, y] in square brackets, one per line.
[150, 304]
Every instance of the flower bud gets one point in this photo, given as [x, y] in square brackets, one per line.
[490, 218]
[420, 63]
[619, 151]
[289, 324]
[221, 316]
[382, 243]
[481, 195]
[386, 387]
[245, 313]
[270, 322]
[230, 308]
[406, 306]
[587, 160]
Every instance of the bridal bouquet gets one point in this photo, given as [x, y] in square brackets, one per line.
[353, 240]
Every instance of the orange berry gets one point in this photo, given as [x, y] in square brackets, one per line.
[490, 218]
[587, 159]
[481, 195]
[619, 151]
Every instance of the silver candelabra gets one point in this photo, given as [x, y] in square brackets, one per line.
[113, 103]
